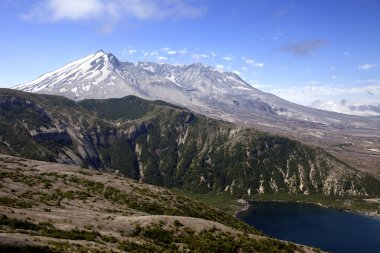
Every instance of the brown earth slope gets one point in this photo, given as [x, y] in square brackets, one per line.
[47, 207]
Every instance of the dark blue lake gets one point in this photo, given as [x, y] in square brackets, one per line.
[325, 228]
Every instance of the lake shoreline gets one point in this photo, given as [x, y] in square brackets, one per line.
[248, 203]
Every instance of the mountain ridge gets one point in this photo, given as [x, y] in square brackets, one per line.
[195, 83]
[219, 95]
[156, 143]
[189, 76]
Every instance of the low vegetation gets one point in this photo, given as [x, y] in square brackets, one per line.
[57, 208]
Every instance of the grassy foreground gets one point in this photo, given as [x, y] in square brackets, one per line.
[224, 201]
[46, 207]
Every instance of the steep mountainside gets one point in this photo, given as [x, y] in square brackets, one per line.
[161, 144]
[221, 95]
[49, 207]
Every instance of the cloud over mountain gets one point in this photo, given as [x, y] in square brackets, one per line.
[348, 107]
[360, 100]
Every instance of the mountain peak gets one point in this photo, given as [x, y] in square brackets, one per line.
[98, 53]
[87, 71]
[197, 65]
[102, 75]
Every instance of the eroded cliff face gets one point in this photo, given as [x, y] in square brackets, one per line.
[171, 147]
[201, 157]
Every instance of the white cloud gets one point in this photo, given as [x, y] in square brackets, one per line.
[161, 58]
[244, 68]
[112, 11]
[366, 66]
[220, 67]
[236, 72]
[253, 62]
[132, 51]
[327, 90]
[227, 58]
[361, 95]
[182, 51]
[173, 55]
[277, 34]
[313, 82]
[170, 51]
[54, 10]
[198, 57]
[369, 81]
[128, 51]
[348, 107]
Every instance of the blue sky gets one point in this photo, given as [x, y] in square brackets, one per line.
[324, 53]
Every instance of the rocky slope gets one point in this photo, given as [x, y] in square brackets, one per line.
[216, 94]
[161, 144]
[49, 207]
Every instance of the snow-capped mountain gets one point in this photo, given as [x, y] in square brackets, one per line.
[216, 94]
[201, 88]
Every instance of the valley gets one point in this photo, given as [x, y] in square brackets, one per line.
[50, 207]
[162, 144]
[358, 146]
